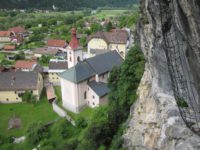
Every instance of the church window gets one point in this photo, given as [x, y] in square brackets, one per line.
[70, 59]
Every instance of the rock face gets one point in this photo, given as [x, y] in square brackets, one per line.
[156, 122]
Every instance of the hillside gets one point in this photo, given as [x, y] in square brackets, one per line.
[63, 4]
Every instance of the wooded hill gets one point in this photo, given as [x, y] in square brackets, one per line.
[63, 4]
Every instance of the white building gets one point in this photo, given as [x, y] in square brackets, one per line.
[85, 83]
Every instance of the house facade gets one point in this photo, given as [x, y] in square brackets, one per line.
[14, 84]
[5, 36]
[55, 68]
[85, 84]
[115, 40]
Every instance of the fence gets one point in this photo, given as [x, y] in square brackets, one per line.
[184, 89]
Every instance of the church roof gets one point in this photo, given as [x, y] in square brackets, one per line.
[80, 72]
[96, 65]
[105, 62]
[100, 88]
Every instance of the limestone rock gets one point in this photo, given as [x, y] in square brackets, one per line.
[156, 123]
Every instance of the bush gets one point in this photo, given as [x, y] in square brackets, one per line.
[81, 122]
[28, 97]
[181, 102]
[35, 133]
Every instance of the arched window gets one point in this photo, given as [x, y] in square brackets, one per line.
[78, 59]
[70, 59]
[85, 95]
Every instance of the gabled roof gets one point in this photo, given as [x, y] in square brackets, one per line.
[25, 64]
[17, 29]
[99, 51]
[4, 33]
[58, 65]
[56, 43]
[105, 62]
[116, 36]
[18, 81]
[46, 51]
[9, 47]
[96, 65]
[100, 88]
[80, 72]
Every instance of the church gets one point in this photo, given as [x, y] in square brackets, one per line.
[85, 81]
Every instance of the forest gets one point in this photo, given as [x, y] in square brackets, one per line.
[63, 4]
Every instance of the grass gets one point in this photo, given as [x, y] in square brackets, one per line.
[28, 113]
[58, 93]
[109, 13]
[54, 14]
[2, 56]
[86, 113]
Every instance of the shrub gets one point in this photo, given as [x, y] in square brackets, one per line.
[181, 102]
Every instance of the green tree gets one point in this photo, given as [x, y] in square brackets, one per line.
[35, 133]
[19, 56]
[109, 26]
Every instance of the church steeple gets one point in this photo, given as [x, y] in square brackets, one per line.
[74, 43]
[74, 50]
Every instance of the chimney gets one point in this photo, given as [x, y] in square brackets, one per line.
[13, 80]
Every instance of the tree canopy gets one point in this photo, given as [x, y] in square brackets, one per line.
[63, 4]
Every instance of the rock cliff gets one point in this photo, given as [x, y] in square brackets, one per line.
[169, 35]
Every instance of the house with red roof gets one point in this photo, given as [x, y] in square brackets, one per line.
[28, 65]
[18, 30]
[9, 48]
[56, 44]
[5, 36]
[18, 34]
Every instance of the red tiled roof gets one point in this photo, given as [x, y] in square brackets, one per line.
[17, 29]
[74, 43]
[24, 64]
[4, 33]
[9, 47]
[56, 43]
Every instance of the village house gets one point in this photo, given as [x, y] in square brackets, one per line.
[18, 34]
[14, 84]
[9, 47]
[21, 31]
[56, 44]
[115, 40]
[86, 82]
[56, 67]
[5, 36]
[28, 65]
[38, 52]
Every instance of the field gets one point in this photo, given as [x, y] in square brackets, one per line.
[28, 113]
[109, 13]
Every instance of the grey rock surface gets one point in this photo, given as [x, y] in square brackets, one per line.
[156, 123]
